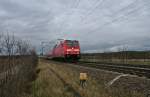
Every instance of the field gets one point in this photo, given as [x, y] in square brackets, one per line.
[62, 80]
[140, 58]
[20, 76]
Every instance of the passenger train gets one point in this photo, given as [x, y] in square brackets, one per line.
[66, 49]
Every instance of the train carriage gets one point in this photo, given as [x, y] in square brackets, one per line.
[66, 49]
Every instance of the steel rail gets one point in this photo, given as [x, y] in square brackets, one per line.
[120, 64]
[138, 70]
[133, 70]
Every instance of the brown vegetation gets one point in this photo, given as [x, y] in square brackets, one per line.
[62, 80]
[17, 66]
[126, 57]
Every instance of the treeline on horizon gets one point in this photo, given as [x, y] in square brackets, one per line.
[120, 55]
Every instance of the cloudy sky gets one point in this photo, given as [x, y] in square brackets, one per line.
[99, 25]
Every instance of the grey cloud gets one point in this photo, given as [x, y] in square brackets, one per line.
[99, 25]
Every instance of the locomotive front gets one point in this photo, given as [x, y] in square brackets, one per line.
[72, 49]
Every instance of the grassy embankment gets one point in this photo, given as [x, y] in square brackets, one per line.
[59, 80]
[16, 75]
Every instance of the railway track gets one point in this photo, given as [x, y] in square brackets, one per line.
[139, 70]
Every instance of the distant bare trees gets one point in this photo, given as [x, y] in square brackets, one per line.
[11, 45]
[123, 53]
[122, 56]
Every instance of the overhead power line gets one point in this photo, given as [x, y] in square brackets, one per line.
[74, 6]
[122, 10]
[98, 3]
[121, 17]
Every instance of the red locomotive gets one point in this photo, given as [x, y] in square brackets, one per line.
[66, 49]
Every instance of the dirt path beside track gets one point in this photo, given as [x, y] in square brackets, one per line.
[50, 84]
[67, 86]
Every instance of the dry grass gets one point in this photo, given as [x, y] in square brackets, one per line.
[16, 75]
[49, 84]
[93, 89]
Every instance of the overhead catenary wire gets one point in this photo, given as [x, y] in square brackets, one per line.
[122, 17]
[98, 3]
[126, 8]
[117, 13]
[74, 6]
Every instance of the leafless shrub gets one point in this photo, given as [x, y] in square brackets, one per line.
[17, 66]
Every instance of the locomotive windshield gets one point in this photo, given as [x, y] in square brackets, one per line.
[72, 43]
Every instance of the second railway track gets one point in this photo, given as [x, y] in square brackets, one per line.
[138, 70]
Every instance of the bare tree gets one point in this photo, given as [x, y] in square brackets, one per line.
[8, 44]
[20, 63]
[23, 48]
[1, 43]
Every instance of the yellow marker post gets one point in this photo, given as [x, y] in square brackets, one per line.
[83, 76]
[83, 79]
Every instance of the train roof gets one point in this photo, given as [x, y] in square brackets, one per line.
[67, 40]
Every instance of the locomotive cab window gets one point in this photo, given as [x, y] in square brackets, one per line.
[72, 43]
[75, 43]
[55, 46]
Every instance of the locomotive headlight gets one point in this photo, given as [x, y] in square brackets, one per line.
[69, 50]
[76, 50]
